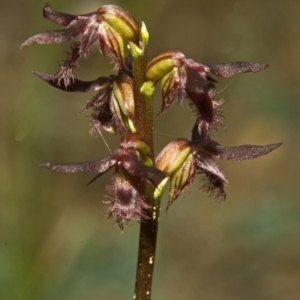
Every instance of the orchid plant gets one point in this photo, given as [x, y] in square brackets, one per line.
[123, 104]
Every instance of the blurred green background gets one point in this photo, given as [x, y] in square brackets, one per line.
[55, 240]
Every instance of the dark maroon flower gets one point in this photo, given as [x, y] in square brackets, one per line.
[184, 78]
[126, 202]
[125, 192]
[109, 25]
[182, 159]
[113, 104]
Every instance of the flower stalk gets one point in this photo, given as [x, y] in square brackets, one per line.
[144, 123]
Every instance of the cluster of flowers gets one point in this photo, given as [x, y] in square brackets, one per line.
[113, 110]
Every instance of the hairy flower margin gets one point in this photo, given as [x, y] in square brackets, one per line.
[113, 110]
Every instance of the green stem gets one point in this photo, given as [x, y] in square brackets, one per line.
[146, 253]
[148, 227]
[143, 104]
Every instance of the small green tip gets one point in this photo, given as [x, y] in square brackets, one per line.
[144, 35]
[148, 89]
[135, 50]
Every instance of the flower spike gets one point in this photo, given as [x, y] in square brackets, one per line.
[123, 101]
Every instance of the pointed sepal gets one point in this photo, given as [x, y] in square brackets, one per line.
[99, 166]
[245, 152]
[237, 67]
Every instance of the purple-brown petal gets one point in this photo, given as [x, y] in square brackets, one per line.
[206, 162]
[199, 90]
[214, 185]
[197, 81]
[134, 166]
[99, 166]
[126, 202]
[76, 85]
[233, 68]
[57, 17]
[203, 105]
[57, 36]
[245, 152]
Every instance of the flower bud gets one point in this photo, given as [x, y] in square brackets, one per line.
[120, 118]
[162, 64]
[148, 89]
[144, 36]
[173, 155]
[123, 91]
[122, 101]
[177, 160]
[135, 50]
[121, 21]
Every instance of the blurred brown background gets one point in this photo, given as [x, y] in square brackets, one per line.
[55, 240]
